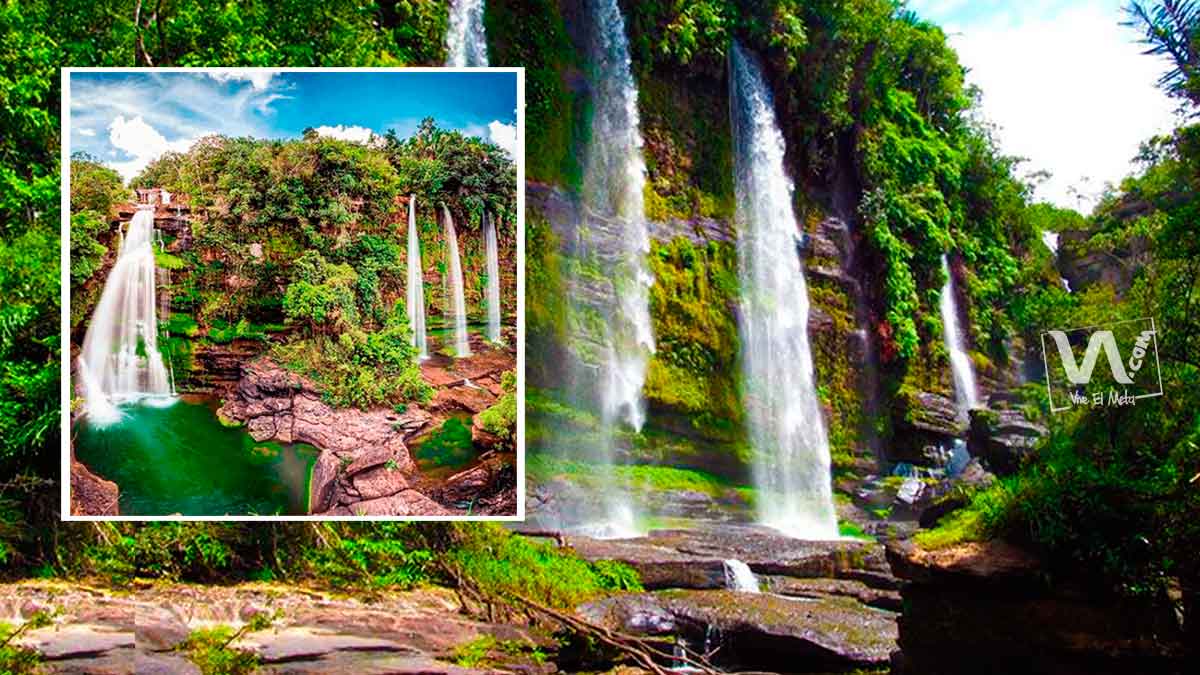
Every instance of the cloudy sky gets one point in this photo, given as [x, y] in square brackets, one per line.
[1064, 81]
[129, 119]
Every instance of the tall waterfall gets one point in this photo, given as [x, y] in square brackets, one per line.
[960, 362]
[120, 361]
[456, 307]
[493, 275]
[613, 239]
[416, 284]
[791, 450]
[466, 42]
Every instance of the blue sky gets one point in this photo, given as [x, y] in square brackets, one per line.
[128, 119]
[1065, 84]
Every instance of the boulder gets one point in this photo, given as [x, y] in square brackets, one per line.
[695, 558]
[406, 503]
[925, 419]
[379, 481]
[92, 495]
[758, 631]
[1002, 438]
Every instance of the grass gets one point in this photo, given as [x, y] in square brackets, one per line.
[983, 518]
[639, 476]
[852, 530]
[487, 651]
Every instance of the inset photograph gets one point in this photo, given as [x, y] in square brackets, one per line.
[291, 293]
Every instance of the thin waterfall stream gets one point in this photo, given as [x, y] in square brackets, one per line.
[415, 291]
[493, 277]
[466, 42]
[613, 238]
[456, 304]
[791, 466]
[120, 362]
[960, 362]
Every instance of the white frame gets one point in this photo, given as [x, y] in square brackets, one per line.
[65, 299]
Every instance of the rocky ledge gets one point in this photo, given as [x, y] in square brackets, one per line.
[695, 558]
[365, 467]
[144, 631]
[986, 608]
[758, 631]
[92, 495]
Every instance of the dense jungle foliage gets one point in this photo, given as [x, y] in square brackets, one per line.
[881, 133]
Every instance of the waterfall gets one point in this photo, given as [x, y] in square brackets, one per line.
[456, 305]
[738, 577]
[120, 361]
[791, 450]
[960, 362]
[416, 284]
[613, 241]
[493, 275]
[466, 42]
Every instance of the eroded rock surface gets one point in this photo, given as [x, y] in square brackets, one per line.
[92, 495]
[98, 631]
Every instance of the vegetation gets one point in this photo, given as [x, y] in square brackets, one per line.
[501, 418]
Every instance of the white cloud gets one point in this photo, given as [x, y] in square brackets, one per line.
[142, 142]
[84, 131]
[347, 133]
[1069, 89]
[503, 135]
[259, 78]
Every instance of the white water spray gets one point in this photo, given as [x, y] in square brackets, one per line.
[493, 275]
[615, 237]
[960, 361]
[791, 451]
[738, 577]
[120, 361]
[416, 284]
[456, 304]
[466, 42]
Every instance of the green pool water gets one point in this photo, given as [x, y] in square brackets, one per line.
[181, 459]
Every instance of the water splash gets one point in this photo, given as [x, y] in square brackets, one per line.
[466, 41]
[493, 275]
[791, 465]
[120, 361]
[960, 361]
[738, 577]
[613, 241]
[416, 284]
[456, 308]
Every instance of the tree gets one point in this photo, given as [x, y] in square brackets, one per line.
[1172, 30]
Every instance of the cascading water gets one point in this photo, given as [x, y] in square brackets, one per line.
[493, 275]
[960, 361]
[791, 465]
[466, 42]
[416, 284]
[739, 577]
[120, 361]
[456, 303]
[613, 236]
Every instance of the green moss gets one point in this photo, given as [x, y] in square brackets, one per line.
[180, 323]
[689, 151]
[694, 369]
[639, 477]
[167, 261]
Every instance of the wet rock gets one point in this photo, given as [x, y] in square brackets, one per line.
[406, 503]
[323, 482]
[1003, 438]
[925, 419]
[763, 632]
[991, 598]
[695, 558]
[490, 487]
[163, 664]
[379, 481]
[159, 629]
[822, 588]
[92, 495]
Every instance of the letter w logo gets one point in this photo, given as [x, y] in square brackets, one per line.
[1082, 374]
